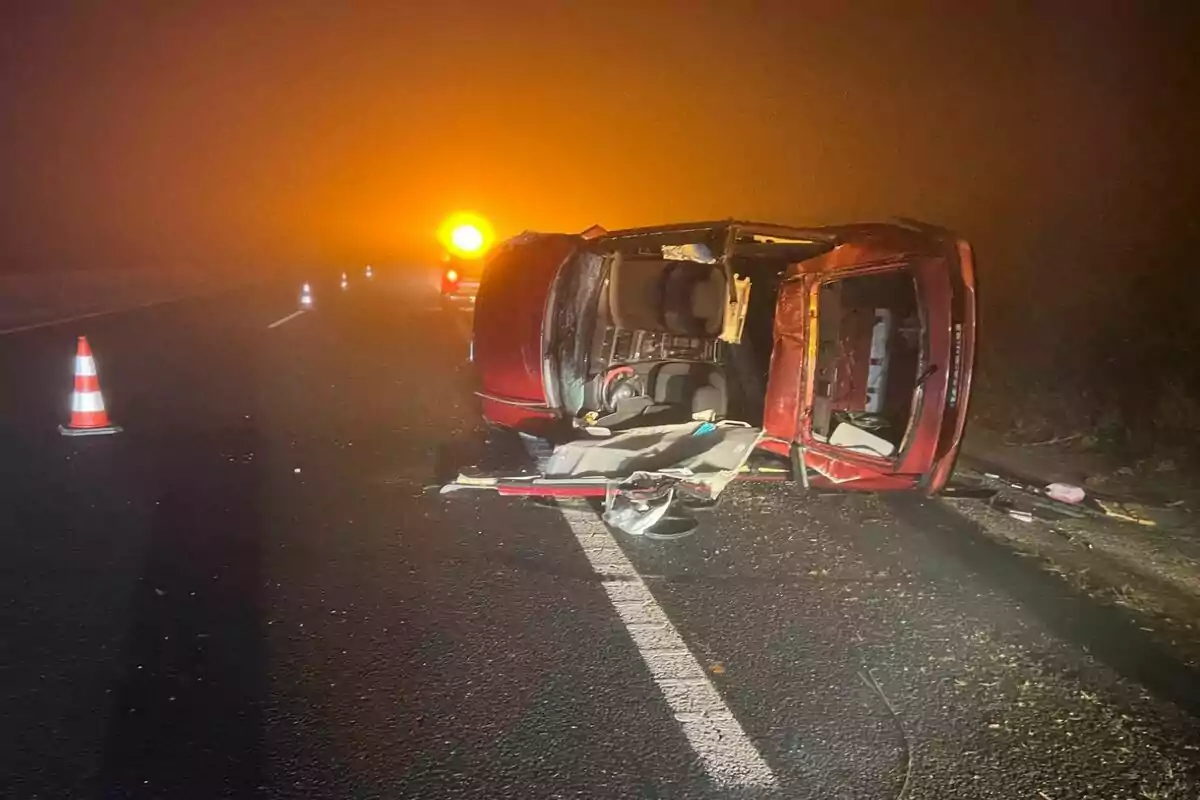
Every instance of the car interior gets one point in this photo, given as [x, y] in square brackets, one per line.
[653, 355]
[868, 359]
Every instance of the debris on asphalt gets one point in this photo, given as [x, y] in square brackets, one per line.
[959, 491]
[639, 503]
[1125, 512]
[1053, 501]
[1065, 493]
[1035, 508]
[1071, 538]
[649, 477]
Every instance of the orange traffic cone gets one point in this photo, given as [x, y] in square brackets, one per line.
[88, 417]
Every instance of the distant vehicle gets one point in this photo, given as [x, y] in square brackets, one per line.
[370, 273]
[460, 281]
[851, 346]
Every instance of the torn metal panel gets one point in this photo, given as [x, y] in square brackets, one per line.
[699, 458]
[695, 448]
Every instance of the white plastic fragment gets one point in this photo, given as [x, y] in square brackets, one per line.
[1065, 493]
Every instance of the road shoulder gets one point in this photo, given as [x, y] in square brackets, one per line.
[1145, 558]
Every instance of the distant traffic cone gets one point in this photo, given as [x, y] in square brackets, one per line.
[370, 274]
[345, 282]
[306, 300]
[88, 417]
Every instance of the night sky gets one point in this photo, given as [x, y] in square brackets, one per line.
[139, 133]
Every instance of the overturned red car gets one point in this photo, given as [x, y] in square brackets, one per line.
[851, 347]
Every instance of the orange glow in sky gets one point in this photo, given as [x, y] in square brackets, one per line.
[202, 133]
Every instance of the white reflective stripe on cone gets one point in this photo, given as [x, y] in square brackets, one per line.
[85, 365]
[87, 401]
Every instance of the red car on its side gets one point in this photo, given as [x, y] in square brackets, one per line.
[850, 346]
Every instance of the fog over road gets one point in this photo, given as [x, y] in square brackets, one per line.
[252, 592]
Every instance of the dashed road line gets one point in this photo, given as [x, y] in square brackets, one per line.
[729, 757]
[50, 323]
[282, 320]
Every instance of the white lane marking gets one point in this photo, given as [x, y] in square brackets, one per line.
[728, 755]
[33, 326]
[290, 316]
[718, 739]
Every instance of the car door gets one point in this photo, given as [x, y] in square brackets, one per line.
[793, 398]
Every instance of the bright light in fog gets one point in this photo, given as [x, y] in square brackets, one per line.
[467, 238]
[451, 275]
[466, 235]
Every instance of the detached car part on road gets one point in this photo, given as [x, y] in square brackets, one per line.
[850, 347]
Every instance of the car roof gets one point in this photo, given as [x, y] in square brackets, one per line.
[765, 230]
[716, 234]
[710, 228]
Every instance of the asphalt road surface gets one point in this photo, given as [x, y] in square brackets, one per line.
[251, 592]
